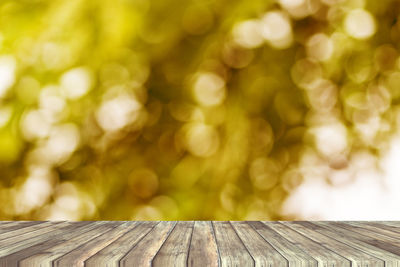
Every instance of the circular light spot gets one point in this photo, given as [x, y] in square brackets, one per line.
[62, 142]
[291, 179]
[276, 29]
[291, 3]
[116, 113]
[34, 192]
[143, 182]
[76, 83]
[385, 57]
[299, 9]
[209, 89]
[323, 95]
[248, 34]
[305, 72]
[236, 56]
[202, 140]
[320, 47]
[331, 139]
[8, 66]
[34, 124]
[360, 24]
[51, 102]
[264, 173]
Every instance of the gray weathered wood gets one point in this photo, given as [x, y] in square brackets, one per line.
[143, 253]
[203, 247]
[112, 254]
[231, 250]
[77, 256]
[175, 250]
[47, 241]
[323, 255]
[26, 232]
[375, 229]
[354, 240]
[200, 243]
[75, 239]
[357, 257]
[261, 251]
[10, 226]
[291, 252]
[375, 239]
[16, 243]
[383, 226]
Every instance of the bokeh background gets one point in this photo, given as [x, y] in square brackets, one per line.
[199, 109]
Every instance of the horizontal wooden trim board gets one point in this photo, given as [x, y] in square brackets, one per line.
[200, 243]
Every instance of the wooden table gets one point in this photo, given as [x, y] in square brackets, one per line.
[199, 243]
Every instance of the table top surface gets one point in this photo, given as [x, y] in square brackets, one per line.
[200, 243]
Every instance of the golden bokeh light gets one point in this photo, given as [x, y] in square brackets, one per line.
[359, 24]
[276, 29]
[167, 110]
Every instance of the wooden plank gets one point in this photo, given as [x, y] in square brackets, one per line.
[10, 226]
[47, 242]
[76, 239]
[292, 253]
[322, 255]
[261, 251]
[370, 233]
[175, 250]
[389, 244]
[112, 254]
[16, 222]
[376, 229]
[354, 240]
[16, 243]
[203, 247]
[391, 223]
[357, 257]
[143, 253]
[200, 243]
[231, 250]
[77, 256]
[5, 223]
[21, 232]
[384, 226]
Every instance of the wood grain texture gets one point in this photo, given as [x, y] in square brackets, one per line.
[231, 249]
[144, 252]
[10, 226]
[203, 247]
[73, 239]
[175, 249]
[290, 251]
[383, 226]
[323, 255]
[375, 229]
[355, 256]
[47, 242]
[260, 250]
[77, 256]
[12, 244]
[353, 240]
[375, 239]
[112, 254]
[200, 243]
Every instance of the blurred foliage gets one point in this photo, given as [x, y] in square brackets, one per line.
[139, 109]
